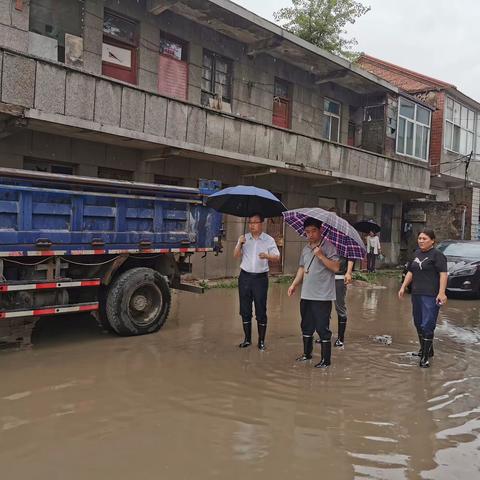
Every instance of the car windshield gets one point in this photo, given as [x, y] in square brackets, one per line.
[467, 250]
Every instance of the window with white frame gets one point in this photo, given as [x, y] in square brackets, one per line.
[413, 138]
[459, 127]
[331, 128]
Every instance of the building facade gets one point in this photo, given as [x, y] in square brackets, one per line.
[454, 154]
[169, 92]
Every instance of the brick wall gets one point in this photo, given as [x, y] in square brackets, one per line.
[436, 137]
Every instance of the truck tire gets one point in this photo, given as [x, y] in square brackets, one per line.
[138, 302]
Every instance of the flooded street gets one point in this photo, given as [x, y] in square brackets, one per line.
[186, 403]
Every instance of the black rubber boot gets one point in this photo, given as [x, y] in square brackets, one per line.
[307, 349]
[342, 326]
[247, 329]
[420, 340]
[262, 330]
[326, 354]
[426, 350]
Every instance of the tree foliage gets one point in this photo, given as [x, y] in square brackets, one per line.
[322, 22]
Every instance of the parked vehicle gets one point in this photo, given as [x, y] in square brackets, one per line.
[463, 257]
[75, 244]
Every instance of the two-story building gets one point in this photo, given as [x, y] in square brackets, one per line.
[454, 153]
[172, 91]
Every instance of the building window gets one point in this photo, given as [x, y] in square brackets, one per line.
[351, 207]
[281, 104]
[173, 47]
[115, 174]
[165, 180]
[413, 138]
[459, 127]
[331, 129]
[56, 30]
[216, 79]
[173, 67]
[376, 112]
[369, 210]
[38, 165]
[119, 51]
[327, 203]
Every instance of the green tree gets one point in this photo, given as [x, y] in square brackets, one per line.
[322, 22]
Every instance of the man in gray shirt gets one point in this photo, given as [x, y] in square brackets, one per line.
[317, 267]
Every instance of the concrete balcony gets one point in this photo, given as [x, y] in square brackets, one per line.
[50, 97]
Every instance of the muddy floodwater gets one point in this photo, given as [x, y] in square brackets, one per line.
[187, 403]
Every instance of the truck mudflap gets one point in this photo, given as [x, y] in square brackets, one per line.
[187, 287]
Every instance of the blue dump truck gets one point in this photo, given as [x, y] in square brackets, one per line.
[113, 248]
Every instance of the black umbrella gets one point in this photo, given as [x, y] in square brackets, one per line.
[245, 201]
[367, 226]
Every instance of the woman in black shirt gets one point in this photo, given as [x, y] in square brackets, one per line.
[428, 275]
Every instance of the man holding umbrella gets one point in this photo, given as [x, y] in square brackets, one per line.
[255, 249]
[329, 237]
[318, 264]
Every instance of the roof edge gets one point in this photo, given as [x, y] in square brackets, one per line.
[435, 81]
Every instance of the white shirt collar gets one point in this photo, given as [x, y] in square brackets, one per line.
[261, 236]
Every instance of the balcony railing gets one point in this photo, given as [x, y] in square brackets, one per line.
[53, 95]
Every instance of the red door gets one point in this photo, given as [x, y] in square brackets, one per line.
[119, 60]
[281, 112]
[172, 77]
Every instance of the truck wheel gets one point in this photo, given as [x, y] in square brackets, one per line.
[138, 302]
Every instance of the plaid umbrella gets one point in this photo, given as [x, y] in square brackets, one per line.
[336, 230]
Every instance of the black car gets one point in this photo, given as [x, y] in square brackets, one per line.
[463, 257]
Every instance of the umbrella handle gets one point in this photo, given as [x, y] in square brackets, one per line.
[313, 255]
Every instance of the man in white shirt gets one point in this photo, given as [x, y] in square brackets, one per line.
[255, 249]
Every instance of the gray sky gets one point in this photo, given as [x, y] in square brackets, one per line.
[439, 38]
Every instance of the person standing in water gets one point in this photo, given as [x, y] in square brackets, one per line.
[373, 250]
[317, 267]
[255, 249]
[342, 278]
[427, 274]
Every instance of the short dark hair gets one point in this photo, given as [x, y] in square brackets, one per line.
[261, 217]
[312, 222]
[428, 232]
[333, 209]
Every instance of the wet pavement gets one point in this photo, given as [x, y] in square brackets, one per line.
[186, 403]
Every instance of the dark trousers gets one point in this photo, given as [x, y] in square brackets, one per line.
[371, 260]
[316, 318]
[253, 288]
[341, 293]
[425, 314]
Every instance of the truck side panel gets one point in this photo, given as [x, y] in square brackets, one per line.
[77, 220]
